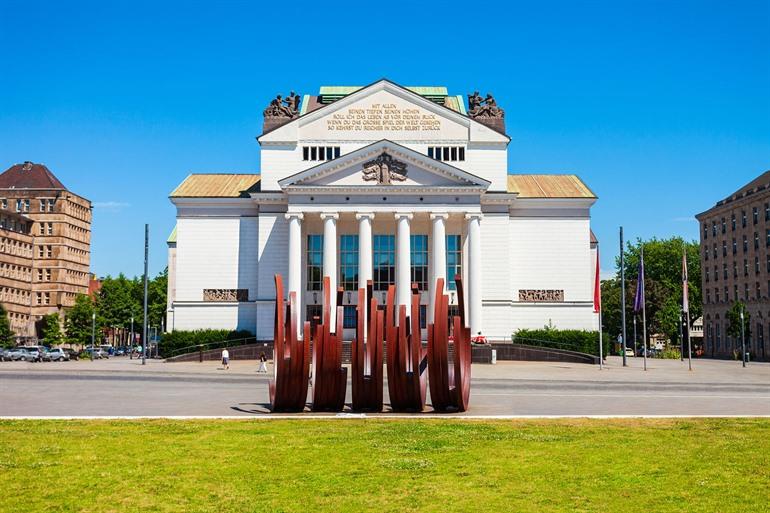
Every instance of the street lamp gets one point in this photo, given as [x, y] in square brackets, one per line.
[743, 342]
[93, 333]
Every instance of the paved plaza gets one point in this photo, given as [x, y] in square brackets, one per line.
[123, 387]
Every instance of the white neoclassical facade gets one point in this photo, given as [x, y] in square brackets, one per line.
[390, 184]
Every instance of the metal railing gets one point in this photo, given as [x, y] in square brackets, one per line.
[553, 344]
[207, 346]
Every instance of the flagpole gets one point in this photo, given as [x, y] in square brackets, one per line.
[598, 307]
[644, 311]
[623, 297]
[686, 306]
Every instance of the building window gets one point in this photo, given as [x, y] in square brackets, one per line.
[719, 336]
[4, 204]
[745, 267]
[423, 316]
[735, 245]
[754, 215]
[320, 153]
[724, 248]
[454, 259]
[705, 231]
[714, 228]
[735, 291]
[758, 290]
[756, 240]
[49, 229]
[745, 245]
[315, 262]
[384, 257]
[756, 265]
[715, 251]
[349, 262]
[716, 273]
[313, 311]
[743, 218]
[732, 222]
[447, 153]
[708, 295]
[727, 295]
[419, 258]
[767, 211]
[724, 226]
[745, 291]
[349, 317]
[716, 294]
[735, 269]
[706, 275]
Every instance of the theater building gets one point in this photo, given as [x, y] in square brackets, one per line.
[398, 185]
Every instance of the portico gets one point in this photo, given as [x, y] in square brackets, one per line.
[422, 235]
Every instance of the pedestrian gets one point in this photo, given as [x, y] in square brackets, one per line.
[225, 358]
[262, 363]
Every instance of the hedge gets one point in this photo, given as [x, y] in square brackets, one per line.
[571, 340]
[178, 339]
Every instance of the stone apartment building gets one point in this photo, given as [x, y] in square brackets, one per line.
[45, 240]
[735, 266]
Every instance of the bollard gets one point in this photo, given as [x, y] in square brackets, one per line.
[494, 356]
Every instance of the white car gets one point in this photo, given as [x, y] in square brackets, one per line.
[629, 351]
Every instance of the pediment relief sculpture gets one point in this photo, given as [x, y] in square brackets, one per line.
[384, 170]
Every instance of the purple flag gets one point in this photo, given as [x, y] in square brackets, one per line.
[639, 299]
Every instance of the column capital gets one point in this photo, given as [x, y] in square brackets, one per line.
[329, 215]
[407, 215]
[298, 215]
[364, 215]
[439, 215]
[474, 215]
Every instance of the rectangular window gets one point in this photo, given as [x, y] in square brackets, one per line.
[754, 215]
[305, 153]
[453, 154]
[745, 245]
[746, 291]
[446, 153]
[705, 231]
[313, 153]
[732, 222]
[758, 290]
[423, 316]
[349, 262]
[461, 153]
[329, 153]
[419, 260]
[336, 152]
[454, 259]
[735, 269]
[714, 228]
[349, 317]
[384, 261]
[430, 151]
[745, 267]
[315, 261]
[743, 218]
[756, 265]
[716, 273]
[4, 203]
[756, 240]
[767, 211]
[724, 226]
[313, 311]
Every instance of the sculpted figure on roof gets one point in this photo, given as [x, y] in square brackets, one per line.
[277, 109]
[483, 108]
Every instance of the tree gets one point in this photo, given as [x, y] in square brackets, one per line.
[78, 322]
[6, 334]
[51, 329]
[663, 287]
[734, 320]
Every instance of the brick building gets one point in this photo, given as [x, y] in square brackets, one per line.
[45, 247]
[735, 266]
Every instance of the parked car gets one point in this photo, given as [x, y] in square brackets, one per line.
[5, 355]
[58, 355]
[26, 354]
[629, 351]
[72, 354]
[98, 353]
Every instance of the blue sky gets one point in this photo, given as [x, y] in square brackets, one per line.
[661, 107]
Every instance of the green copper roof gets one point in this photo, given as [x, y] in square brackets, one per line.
[172, 237]
[436, 94]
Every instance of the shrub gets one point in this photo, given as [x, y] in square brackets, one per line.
[581, 341]
[670, 353]
[177, 340]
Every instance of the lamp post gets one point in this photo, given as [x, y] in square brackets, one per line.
[93, 334]
[131, 342]
[743, 342]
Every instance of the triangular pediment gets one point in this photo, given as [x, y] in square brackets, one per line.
[383, 110]
[384, 164]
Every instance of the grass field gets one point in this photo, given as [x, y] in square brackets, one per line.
[712, 465]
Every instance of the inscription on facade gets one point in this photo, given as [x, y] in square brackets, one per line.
[384, 117]
[541, 296]
[225, 294]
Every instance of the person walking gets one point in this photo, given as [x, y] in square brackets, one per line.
[225, 358]
[262, 363]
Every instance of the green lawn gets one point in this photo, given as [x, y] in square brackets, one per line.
[712, 465]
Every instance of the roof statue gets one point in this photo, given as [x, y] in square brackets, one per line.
[277, 109]
[483, 108]
[384, 170]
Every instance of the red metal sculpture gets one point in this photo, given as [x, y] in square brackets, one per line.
[329, 376]
[288, 388]
[366, 353]
[405, 355]
[408, 363]
[450, 385]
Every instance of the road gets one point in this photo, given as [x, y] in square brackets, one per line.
[122, 387]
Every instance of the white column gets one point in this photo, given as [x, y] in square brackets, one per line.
[474, 272]
[438, 257]
[364, 247]
[295, 261]
[330, 262]
[403, 259]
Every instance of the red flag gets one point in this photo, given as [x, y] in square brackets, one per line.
[597, 286]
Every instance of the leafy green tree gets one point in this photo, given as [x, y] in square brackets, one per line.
[78, 321]
[6, 334]
[734, 319]
[52, 334]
